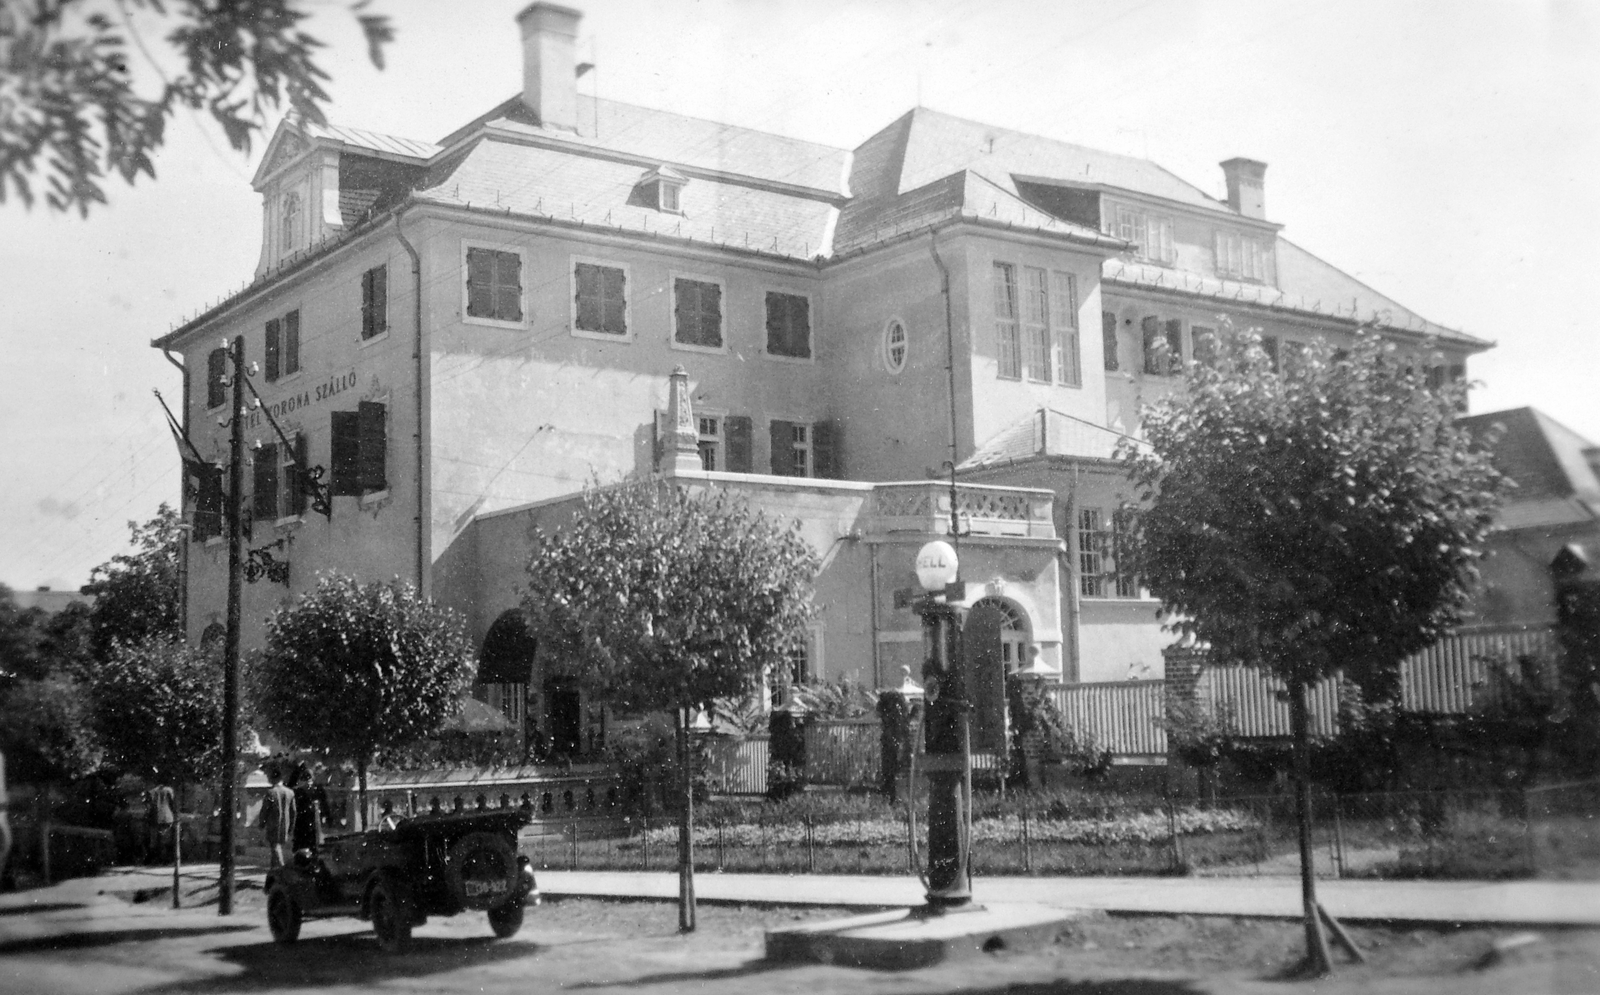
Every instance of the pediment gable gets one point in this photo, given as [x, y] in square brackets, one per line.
[287, 145]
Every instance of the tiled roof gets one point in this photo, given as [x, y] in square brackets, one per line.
[665, 137]
[372, 141]
[1306, 285]
[1543, 456]
[524, 180]
[1045, 432]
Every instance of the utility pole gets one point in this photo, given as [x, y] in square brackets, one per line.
[230, 673]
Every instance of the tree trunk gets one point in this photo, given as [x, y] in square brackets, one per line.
[177, 845]
[685, 829]
[1318, 961]
[361, 793]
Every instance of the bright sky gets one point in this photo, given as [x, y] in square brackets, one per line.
[1444, 153]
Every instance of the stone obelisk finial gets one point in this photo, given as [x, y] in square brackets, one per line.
[683, 441]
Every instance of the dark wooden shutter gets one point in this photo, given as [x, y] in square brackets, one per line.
[374, 446]
[274, 349]
[825, 450]
[1108, 338]
[1269, 343]
[782, 436]
[345, 453]
[266, 484]
[587, 296]
[1174, 331]
[294, 484]
[291, 342]
[216, 369]
[508, 286]
[741, 443]
[614, 295]
[374, 301]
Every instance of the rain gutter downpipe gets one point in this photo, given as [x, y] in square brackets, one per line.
[949, 339]
[423, 587]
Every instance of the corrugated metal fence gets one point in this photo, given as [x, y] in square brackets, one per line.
[1125, 716]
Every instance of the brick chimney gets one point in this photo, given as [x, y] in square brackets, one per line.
[549, 70]
[1246, 186]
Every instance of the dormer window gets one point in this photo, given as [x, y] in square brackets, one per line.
[291, 222]
[662, 189]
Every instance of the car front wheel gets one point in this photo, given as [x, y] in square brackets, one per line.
[391, 917]
[283, 915]
[506, 919]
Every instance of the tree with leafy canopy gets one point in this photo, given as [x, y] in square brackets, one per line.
[69, 99]
[137, 595]
[354, 669]
[1327, 518]
[157, 706]
[44, 725]
[670, 599]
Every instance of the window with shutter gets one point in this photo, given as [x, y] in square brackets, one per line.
[291, 343]
[1108, 339]
[208, 503]
[709, 442]
[600, 299]
[274, 349]
[788, 325]
[697, 313]
[345, 453]
[374, 302]
[1154, 346]
[781, 435]
[265, 504]
[738, 430]
[373, 446]
[1269, 345]
[216, 370]
[294, 464]
[1174, 342]
[494, 285]
[1205, 345]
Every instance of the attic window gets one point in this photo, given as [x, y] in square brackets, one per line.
[661, 188]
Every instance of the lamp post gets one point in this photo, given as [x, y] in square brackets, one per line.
[945, 734]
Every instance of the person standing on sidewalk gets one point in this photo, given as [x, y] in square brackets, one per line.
[277, 819]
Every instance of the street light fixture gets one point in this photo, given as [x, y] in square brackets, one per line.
[948, 759]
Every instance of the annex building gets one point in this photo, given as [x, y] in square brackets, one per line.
[465, 332]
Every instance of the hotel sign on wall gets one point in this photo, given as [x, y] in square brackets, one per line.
[292, 403]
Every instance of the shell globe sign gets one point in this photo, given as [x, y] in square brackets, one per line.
[937, 565]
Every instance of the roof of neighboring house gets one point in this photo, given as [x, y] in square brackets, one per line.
[48, 601]
[1544, 457]
[1043, 433]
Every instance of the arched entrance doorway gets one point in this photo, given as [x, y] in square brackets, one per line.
[506, 666]
[996, 640]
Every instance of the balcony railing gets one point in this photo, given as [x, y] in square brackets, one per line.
[924, 506]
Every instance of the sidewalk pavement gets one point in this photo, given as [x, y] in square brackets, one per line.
[1546, 903]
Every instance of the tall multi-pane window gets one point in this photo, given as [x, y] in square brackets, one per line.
[1163, 346]
[1091, 553]
[1151, 234]
[1008, 347]
[290, 219]
[1243, 256]
[709, 442]
[1037, 346]
[1099, 544]
[800, 449]
[1064, 327]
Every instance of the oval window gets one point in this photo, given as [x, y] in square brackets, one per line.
[894, 346]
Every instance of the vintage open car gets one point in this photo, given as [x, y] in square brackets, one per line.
[396, 878]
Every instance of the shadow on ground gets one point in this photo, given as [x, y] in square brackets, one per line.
[107, 937]
[332, 961]
[39, 909]
[1102, 986]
